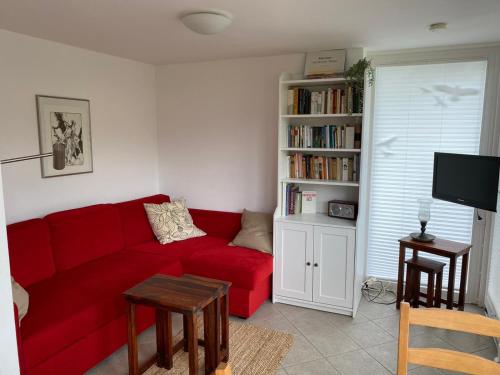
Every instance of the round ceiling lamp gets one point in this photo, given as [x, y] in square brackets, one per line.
[207, 22]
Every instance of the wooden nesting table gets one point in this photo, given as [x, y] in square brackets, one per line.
[187, 295]
[448, 249]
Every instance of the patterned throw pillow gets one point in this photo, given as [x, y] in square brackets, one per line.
[171, 221]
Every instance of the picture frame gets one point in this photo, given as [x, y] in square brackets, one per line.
[325, 64]
[64, 129]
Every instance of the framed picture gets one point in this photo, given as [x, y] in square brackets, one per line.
[325, 64]
[64, 130]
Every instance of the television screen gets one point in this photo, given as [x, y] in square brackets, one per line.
[466, 179]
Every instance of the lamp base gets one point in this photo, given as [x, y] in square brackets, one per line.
[417, 236]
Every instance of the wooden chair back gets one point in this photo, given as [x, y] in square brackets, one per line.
[444, 358]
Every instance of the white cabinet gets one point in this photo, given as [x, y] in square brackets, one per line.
[314, 266]
[293, 261]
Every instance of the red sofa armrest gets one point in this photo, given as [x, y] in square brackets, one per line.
[217, 223]
[20, 351]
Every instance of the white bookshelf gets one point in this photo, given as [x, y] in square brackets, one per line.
[330, 189]
[317, 263]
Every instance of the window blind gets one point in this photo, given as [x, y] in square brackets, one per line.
[419, 109]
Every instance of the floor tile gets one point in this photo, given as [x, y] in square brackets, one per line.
[331, 343]
[429, 341]
[318, 367]
[465, 342]
[489, 353]
[387, 355]
[281, 372]
[357, 362]
[267, 311]
[301, 351]
[425, 371]
[313, 327]
[280, 324]
[368, 334]
[377, 311]
[341, 321]
[391, 326]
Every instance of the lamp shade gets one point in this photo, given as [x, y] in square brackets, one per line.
[207, 22]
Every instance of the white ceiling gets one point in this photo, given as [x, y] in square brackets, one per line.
[150, 30]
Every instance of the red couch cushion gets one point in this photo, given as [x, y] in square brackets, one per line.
[135, 223]
[30, 252]
[245, 268]
[74, 303]
[180, 250]
[84, 234]
[217, 223]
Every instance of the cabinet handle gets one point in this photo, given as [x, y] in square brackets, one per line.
[315, 264]
[308, 263]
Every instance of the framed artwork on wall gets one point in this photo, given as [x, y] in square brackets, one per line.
[64, 130]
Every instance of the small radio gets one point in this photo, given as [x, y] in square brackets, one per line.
[343, 209]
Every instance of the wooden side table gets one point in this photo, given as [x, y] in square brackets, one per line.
[187, 296]
[449, 249]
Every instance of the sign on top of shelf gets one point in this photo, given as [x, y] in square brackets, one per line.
[325, 64]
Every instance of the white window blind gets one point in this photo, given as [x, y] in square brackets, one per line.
[419, 109]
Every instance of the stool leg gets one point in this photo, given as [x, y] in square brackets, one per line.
[416, 289]
[430, 289]
[192, 324]
[224, 305]
[409, 284]
[209, 332]
[439, 288]
[185, 332]
[133, 361]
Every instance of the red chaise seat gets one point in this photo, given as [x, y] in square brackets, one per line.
[76, 263]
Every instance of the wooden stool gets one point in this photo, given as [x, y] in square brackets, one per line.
[188, 296]
[414, 267]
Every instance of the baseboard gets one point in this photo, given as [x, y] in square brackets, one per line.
[312, 305]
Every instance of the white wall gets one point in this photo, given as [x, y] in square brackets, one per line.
[218, 131]
[123, 122]
[8, 354]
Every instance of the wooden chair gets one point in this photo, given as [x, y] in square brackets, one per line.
[444, 358]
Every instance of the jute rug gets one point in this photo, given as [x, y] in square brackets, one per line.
[252, 351]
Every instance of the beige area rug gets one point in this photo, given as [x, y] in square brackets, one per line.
[252, 351]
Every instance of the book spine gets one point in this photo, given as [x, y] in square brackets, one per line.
[289, 102]
[345, 169]
[295, 101]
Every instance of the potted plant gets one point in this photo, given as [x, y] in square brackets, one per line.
[355, 77]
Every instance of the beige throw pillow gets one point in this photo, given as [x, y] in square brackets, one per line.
[256, 231]
[21, 298]
[171, 221]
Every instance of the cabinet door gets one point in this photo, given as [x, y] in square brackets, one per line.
[333, 271]
[293, 261]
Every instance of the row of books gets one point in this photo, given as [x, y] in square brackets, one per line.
[327, 136]
[297, 202]
[302, 101]
[323, 168]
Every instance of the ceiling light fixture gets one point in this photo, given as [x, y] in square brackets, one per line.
[438, 26]
[207, 22]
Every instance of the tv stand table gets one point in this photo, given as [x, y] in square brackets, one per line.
[448, 249]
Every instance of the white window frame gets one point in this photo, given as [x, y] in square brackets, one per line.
[479, 259]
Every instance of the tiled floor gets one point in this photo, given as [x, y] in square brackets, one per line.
[333, 344]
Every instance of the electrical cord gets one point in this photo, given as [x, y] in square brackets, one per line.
[375, 291]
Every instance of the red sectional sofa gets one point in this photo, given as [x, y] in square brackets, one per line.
[75, 264]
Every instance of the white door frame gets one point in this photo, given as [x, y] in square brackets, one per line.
[9, 363]
[488, 143]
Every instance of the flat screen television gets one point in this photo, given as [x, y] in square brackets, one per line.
[470, 180]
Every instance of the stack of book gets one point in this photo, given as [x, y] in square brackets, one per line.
[302, 101]
[327, 136]
[293, 203]
[323, 168]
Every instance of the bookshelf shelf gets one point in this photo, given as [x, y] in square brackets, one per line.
[311, 181]
[324, 115]
[314, 82]
[319, 219]
[307, 149]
